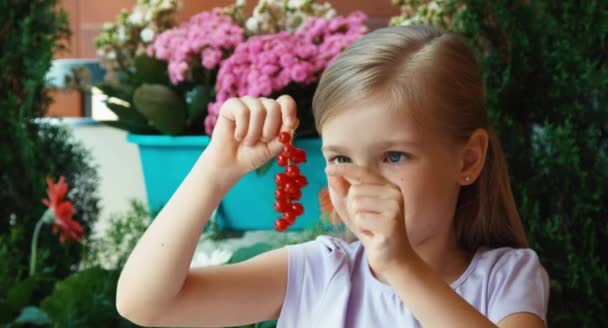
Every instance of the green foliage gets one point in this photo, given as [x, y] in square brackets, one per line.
[546, 72]
[146, 102]
[165, 110]
[30, 151]
[55, 153]
[112, 248]
[85, 299]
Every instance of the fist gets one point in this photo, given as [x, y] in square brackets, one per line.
[246, 133]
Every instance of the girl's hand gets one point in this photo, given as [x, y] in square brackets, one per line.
[375, 215]
[246, 134]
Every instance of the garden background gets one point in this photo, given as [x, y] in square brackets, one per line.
[546, 69]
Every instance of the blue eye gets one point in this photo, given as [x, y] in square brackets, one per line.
[395, 156]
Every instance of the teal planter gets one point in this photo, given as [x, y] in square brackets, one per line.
[249, 204]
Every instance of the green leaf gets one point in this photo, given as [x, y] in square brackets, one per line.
[125, 113]
[121, 91]
[20, 294]
[7, 311]
[85, 299]
[33, 315]
[198, 99]
[150, 70]
[162, 106]
[245, 253]
[260, 171]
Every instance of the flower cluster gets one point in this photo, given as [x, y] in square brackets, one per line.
[121, 41]
[204, 40]
[431, 12]
[265, 64]
[272, 16]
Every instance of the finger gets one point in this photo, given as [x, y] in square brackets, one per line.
[272, 124]
[256, 119]
[389, 208]
[384, 191]
[355, 173]
[339, 185]
[234, 110]
[288, 111]
[370, 224]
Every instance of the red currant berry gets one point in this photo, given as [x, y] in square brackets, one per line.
[288, 149]
[298, 156]
[282, 204]
[281, 225]
[300, 181]
[282, 160]
[292, 170]
[281, 179]
[284, 137]
[290, 187]
[280, 193]
[290, 217]
[297, 209]
[295, 195]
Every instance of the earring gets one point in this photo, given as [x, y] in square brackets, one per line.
[467, 179]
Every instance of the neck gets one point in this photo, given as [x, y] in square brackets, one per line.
[443, 255]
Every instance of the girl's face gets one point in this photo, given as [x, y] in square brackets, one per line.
[393, 144]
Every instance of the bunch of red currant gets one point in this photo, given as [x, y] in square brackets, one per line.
[289, 183]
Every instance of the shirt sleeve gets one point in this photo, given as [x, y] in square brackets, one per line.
[311, 267]
[519, 284]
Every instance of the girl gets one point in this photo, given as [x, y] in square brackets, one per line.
[415, 173]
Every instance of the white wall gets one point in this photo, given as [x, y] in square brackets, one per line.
[118, 165]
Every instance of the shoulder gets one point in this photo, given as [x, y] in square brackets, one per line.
[506, 258]
[517, 282]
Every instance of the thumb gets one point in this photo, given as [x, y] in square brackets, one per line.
[339, 184]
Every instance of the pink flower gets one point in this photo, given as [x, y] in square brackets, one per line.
[265, 64]
[204, 39]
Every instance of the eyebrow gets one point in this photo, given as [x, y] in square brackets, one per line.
[383, 144]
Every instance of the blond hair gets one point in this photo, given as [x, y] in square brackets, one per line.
[434, 74]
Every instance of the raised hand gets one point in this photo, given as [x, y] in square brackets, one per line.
[374, 209]
[246, 134]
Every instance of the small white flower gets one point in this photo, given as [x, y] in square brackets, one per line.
[121, 33]
[100, 52]
[147, 35]
[433, 6]
[136, 18]
[241, 3]
[252, 24]
[296, 4]
[216, 257]
[330, 13]
[148, 16]
[166, 4]
[111, 55]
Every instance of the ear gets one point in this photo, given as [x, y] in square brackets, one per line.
[473, 157]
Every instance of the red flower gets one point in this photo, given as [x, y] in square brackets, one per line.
[62, 211]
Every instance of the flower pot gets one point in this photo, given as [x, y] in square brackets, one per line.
[249, 204]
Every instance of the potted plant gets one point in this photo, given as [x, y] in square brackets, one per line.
[281, 49]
